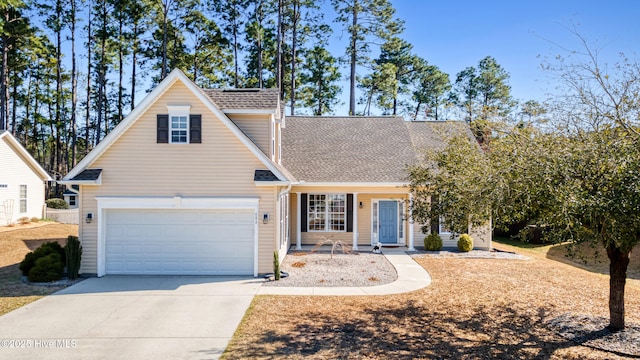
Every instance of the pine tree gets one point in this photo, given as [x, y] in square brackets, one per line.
[319, 77]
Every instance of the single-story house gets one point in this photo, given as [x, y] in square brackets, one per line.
[22, 182]
[198, 181]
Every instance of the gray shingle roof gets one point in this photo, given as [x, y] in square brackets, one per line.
[87, 175]
[244, 98]
[264, 175]
[359, 149]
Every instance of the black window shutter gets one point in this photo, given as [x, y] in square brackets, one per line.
[195, 129]
[162, 133]
[303, 212]
[349, 212]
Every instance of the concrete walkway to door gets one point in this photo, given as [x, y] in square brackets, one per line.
[132, 317]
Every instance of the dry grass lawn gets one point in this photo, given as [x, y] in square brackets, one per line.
[15, 243]
[474, 309]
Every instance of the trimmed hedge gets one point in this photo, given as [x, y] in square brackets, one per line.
[465, 243]
[57, 204]
[43, 250]
[46, 269]
[433, 242]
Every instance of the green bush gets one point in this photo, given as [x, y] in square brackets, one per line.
[48, 268]
[465, 243]
[43, 250]
[57, 204]
[73, 252]
[276, 266]
[433, 242]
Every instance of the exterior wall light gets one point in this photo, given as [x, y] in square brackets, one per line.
[265, 218]
[89, 218]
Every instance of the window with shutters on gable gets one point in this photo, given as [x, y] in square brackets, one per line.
[179, 126]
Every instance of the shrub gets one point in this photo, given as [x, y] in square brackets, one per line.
[43, 250]
[73, 252]
[47, 268]
[465, 243]
[24, 220]
[433, 242]
[276, 266]
[34, 219]
[57, 204]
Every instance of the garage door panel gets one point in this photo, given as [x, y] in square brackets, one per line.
[179, 242]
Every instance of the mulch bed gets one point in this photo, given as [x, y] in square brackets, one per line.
[321, 269]
[474, 309]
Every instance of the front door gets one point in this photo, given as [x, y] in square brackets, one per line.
[388, 217]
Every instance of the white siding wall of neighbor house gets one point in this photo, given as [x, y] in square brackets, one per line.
[14, 172]
[135, 165]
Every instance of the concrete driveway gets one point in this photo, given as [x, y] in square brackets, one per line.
[113, 317]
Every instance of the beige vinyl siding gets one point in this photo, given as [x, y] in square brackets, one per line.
[16, 171]
[257, 128]
[135, 165]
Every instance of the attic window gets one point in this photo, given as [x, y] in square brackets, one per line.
[179, 126]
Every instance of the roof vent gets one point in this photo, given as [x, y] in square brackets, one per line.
[241, 90]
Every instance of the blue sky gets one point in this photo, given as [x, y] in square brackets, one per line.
[518, 34]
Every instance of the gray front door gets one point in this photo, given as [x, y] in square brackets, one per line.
[388, 217]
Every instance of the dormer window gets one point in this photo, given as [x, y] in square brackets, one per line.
[179, 126]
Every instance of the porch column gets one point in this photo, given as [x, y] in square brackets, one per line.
[355, 221]
[298, 223]
[410, 222]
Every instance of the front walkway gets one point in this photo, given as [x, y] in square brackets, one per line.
[411, 277]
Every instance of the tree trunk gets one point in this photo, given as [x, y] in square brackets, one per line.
[259, 44]
[235, 54]
[134, 53]
[294, 49]
[165, 13]
[618, 263]
[74, 88]
[87, 119]
[120, 64]
[279, 51]
[352, 75]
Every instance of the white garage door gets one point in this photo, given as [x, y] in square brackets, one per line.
[179, 242]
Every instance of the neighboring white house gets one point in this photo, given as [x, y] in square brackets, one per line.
[71, 196]
[22, 182]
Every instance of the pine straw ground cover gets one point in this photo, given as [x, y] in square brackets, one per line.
[475, 308]
[15, 243]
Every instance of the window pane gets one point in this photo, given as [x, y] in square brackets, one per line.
[178, 129]
[316, 212]
[23, 198]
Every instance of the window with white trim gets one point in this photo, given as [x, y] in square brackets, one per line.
[23, 198]
[179, 124]
[327, 212]
[72, 200]
[443, 228]
[178, 129]
[284, 220]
